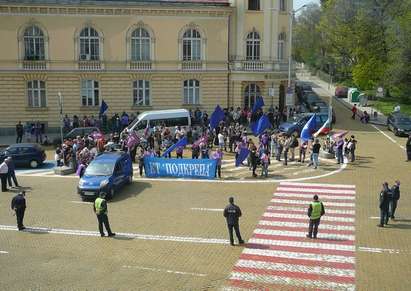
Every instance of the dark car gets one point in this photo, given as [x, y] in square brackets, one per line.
[302, 88]
[25, 155]
[107, 172]
[399, 124]
[296, 126]
[310, 98]
[316, 105]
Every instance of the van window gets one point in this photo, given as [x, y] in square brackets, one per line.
[141, 125]
[170, 122]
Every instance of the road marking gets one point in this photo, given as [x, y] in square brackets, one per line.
[375, 217]
[380, 250]
[309, 195]
[387, 136]
[165, 271]
[279, 254]
[120, 234]
[81, 202]
[3, 252]
[208, 209]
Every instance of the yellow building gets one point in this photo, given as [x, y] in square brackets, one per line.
[138, 55]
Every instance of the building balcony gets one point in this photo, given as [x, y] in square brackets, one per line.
[90, 65]
[140, 65]
[39, 65]
[259, 66]
[192, 65]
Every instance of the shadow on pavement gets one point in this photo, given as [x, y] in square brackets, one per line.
[130, 191]
[400, 226]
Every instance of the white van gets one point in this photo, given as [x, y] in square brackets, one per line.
[169, 118]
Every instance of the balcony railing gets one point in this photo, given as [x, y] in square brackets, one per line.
[34, 65]
[259, 66]
[192, 65]
[89, 65]
[253, 66]
[140, 65]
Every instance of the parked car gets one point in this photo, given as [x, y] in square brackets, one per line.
[296, 126]
[341, 92]
[24, 155]
[302, 88]
[316, 105]
[310, 98]
[108, 172]
[399, 124]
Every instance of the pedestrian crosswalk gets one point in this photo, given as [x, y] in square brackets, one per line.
[279, 256]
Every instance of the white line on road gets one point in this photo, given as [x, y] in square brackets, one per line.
[380, 250]
[208, 209]
[387, 136]
[165, 271]
[81, 202]
[3, 252]
[119, 234]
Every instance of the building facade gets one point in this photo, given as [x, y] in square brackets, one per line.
[138, 55]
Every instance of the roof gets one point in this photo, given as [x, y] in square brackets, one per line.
[124, 2]
[109, 156]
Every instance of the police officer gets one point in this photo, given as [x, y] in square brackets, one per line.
[315, 211]
[18, 204]
[232, 213]
[385, 195]
[395, 190]
[100, 208]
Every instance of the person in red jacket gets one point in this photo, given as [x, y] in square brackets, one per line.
[354, 111]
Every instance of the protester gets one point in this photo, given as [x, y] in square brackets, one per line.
[365, 118]
[384, 204]
[315, 153]
[253, 160]
[19, 132]
[408, 147]
[232, 213]
[354, 111]
[395, 190]
[218, 156]
[18, 205]
[303, 150]
[4, 169]
[315, 211]
[11, 174]
[352, 145]
[265, 160]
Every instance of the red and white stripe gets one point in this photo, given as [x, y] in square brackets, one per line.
[279, 256]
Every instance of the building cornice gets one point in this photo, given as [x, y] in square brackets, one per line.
[100, 10]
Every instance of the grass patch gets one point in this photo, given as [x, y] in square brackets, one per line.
[387, 106]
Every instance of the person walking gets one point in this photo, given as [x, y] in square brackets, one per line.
[384, 204]
[100, 208]
[18, 204]
[4, 169]
[254, 160]
[354, 111]
[316, 153]
[19, 132]
[339, 148]
[232, 213]
[352, 145]
[315, 211]
[408, 147]
[11, 174]
[395, 190]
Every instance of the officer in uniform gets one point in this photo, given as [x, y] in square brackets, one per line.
[395, 190]
[18, 204]
[232, 213]
[385, 199]
[315, 211]
[100, 208]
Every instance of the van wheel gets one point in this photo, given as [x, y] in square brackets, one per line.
[34, 164]
[111, 193]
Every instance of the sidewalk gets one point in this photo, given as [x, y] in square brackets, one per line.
[6, 140]
[376, 117]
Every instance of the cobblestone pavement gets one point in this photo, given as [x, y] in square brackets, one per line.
[172, 235]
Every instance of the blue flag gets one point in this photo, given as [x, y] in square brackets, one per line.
[217, 116]
[253, 126]
[259, 103]
[103, 108]
[242, 155]
[308, 129]
[262, 124]
[182, 142]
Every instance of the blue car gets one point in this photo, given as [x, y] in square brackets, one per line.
[296, 126]
[108, 172]
[24, 155]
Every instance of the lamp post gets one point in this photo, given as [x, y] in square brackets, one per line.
[61, 114]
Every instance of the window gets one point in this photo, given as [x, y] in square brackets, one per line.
[283, 6]
[252, 91]
[36, 93]
[170, 122]
[191, 92]
[253, 46]
[281, 46]
[140, 45]
[34, 43]
[191, 45]
[90, 93]
[253, 4]
[141, 93]
[89, 45]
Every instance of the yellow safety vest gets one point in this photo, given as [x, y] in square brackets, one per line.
[97, 205]
[316, 210]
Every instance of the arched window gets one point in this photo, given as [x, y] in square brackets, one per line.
[191, 91]
[34, 43]
[140, 45]
[281, 46]
[253, 46]
[89, 45]
[252, 91]
[191, 45]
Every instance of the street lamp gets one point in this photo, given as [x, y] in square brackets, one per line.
[61, 115]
